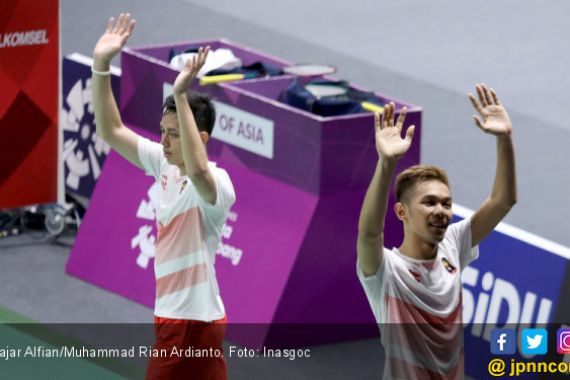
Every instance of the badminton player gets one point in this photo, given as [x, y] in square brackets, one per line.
[414, 290]
[194, 200]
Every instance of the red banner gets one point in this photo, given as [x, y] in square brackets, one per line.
[29, 59]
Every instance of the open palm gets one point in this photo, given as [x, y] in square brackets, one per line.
[190, 70]
[114, 38]
[389, 141]
[495, 119]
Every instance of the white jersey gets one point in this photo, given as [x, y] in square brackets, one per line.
[417, 304]
[189, 230]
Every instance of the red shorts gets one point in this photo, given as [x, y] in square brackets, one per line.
[187, 349]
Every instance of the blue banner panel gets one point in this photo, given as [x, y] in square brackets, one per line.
[515, 284]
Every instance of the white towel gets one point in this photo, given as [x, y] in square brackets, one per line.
[217, 59]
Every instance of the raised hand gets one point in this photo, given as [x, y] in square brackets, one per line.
[496, 120]
[389, 141]
[114, 38]
[190, 70]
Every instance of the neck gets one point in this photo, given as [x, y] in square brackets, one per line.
[416, 248]
[182, 170]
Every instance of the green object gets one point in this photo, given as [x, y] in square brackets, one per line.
[27, 347]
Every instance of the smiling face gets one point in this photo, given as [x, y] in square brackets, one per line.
[426, 210]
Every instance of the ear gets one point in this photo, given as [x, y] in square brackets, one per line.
[205, 137]
[400, 211]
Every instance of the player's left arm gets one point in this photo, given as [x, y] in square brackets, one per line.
[192, 140]
[495, 120]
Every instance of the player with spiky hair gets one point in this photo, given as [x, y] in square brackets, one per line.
[415, 290]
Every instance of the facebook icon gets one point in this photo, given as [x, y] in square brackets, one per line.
[503, 341]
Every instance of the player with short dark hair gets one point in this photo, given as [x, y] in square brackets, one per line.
[202, 109]
[194, 201]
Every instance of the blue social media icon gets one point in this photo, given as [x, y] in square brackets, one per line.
[534, 341]
[503, 341]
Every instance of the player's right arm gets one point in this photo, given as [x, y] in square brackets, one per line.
[390, 146]
[107, 117]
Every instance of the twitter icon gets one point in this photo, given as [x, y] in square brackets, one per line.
[534, 341]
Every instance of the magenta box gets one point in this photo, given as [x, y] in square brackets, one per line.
[146, 69]
[317, 154]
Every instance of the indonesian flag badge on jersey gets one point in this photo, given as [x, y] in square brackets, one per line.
[447, 265]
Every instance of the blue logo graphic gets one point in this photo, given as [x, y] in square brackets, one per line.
[503, 341]
[534, 341]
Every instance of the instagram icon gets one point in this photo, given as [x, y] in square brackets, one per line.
[563, 341]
